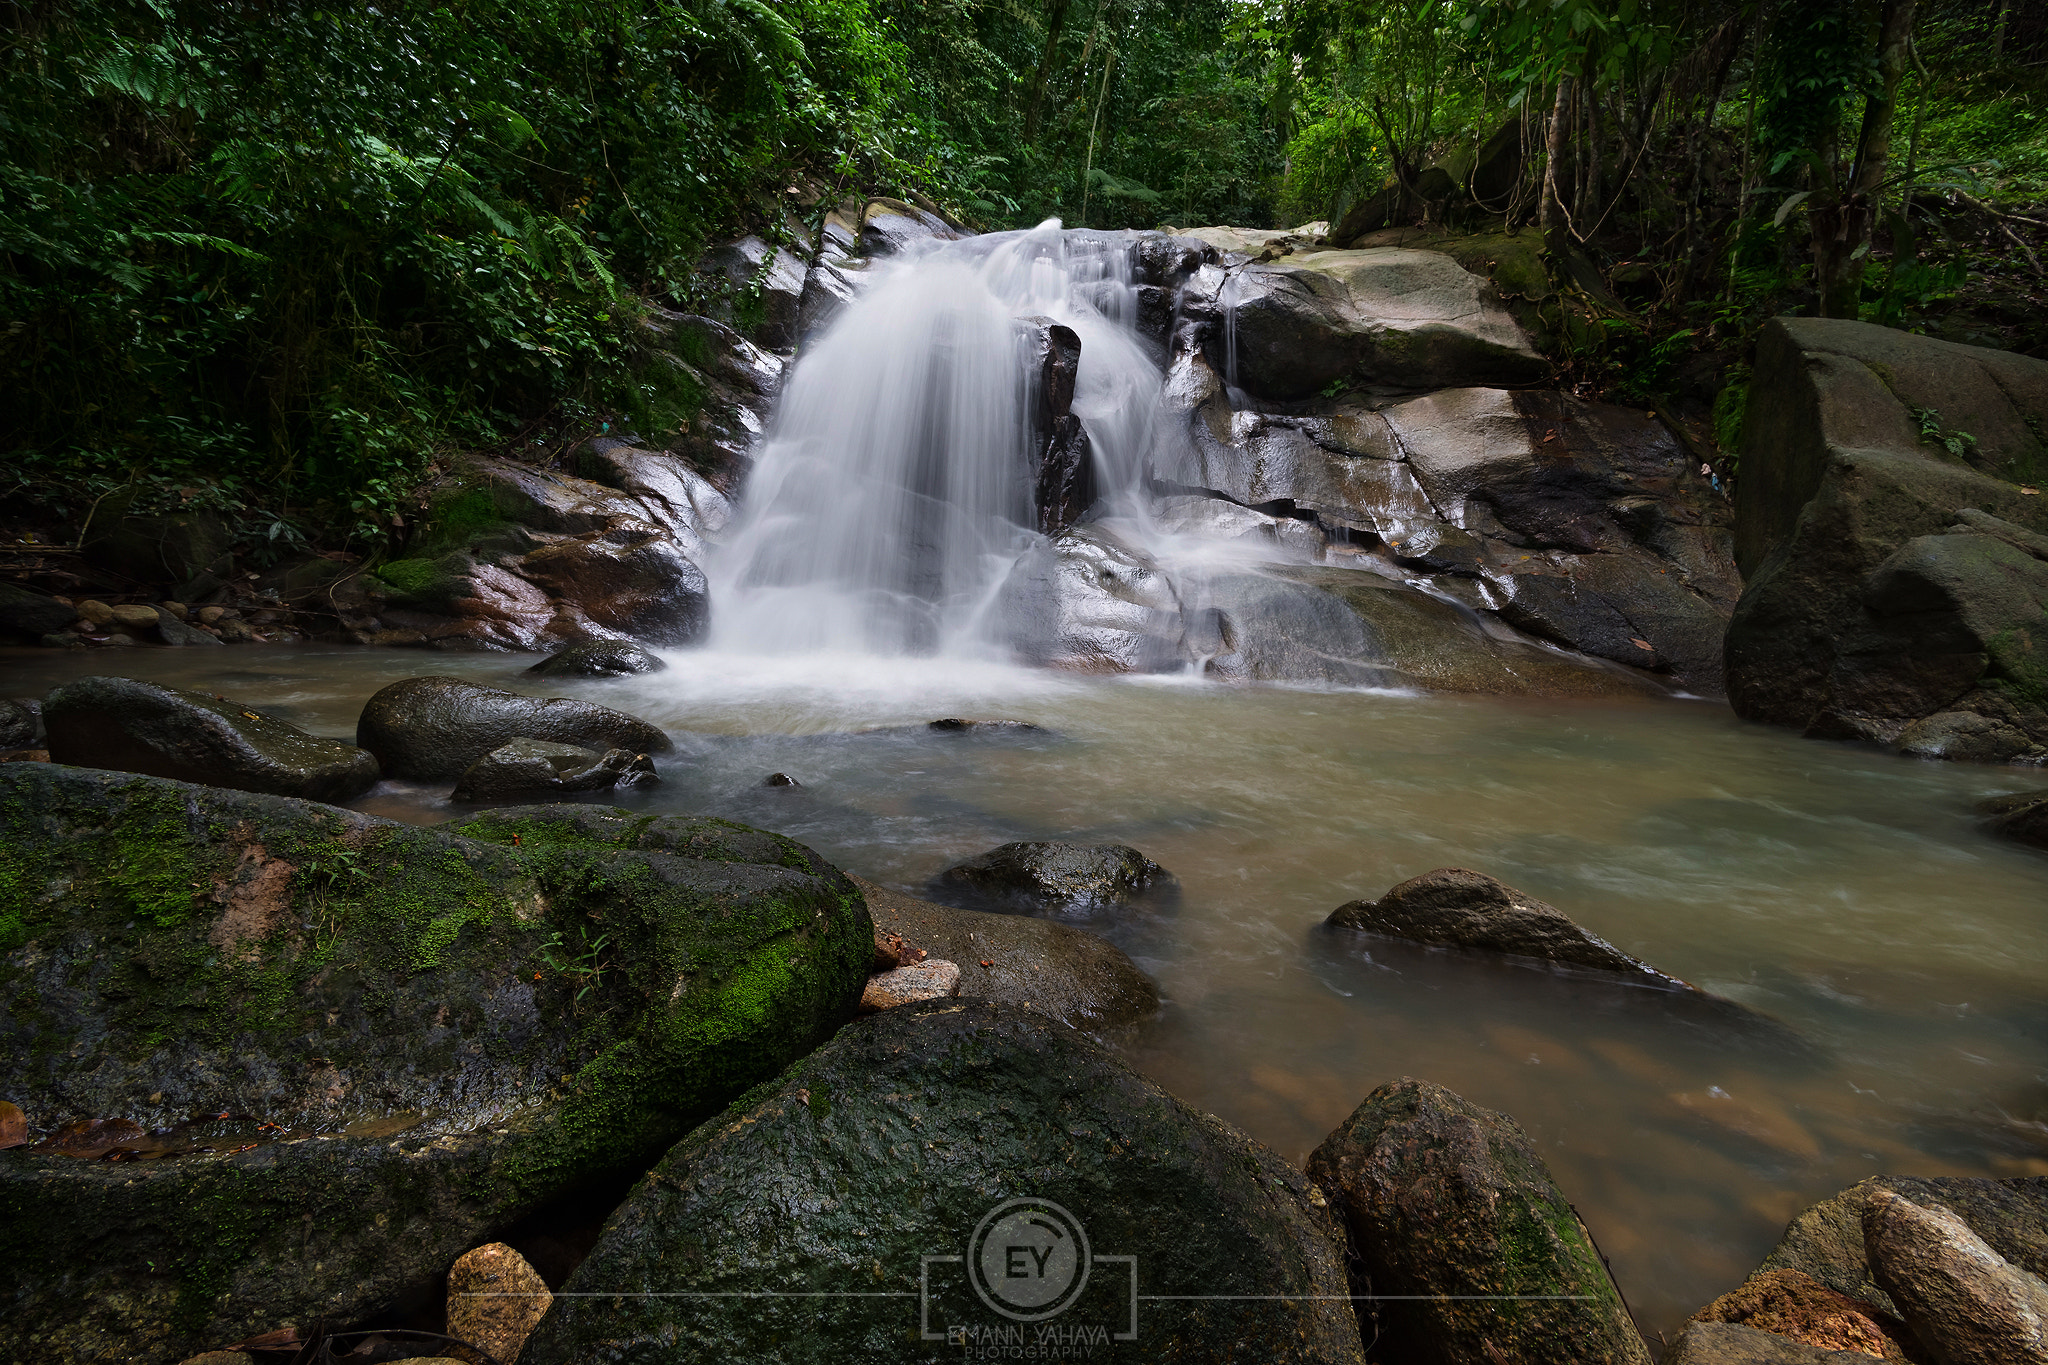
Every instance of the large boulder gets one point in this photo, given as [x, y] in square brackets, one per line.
[32, 615]
[1456, 908]
[1055, 878]
[1795, 1312]
[1088, 602]
[1056, 969]
[441, 1030]
[961, 1174]
[1409, 319]
[143, 727]
[1898, 575]
[1457, 1229]
[1965, 1303]
[435, 727]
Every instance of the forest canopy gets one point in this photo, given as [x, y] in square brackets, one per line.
[277, 259]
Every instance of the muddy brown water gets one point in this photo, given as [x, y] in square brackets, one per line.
[1898, 952]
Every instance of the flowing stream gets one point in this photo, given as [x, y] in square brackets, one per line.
[1846, 894]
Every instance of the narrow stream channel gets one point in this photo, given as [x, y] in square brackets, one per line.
[1848, 895]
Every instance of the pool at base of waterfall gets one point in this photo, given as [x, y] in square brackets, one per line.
[1893, 949]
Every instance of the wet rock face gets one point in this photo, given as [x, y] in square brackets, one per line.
[1087, 602]
[1967, 1304]
[411, 993]
[607, 659]
[429, 728]
[1449, 1202]
[1055, 878]
[2023, 817]
[533, 769]
[1458, 908]
[922, 1122]
[1058, 970]
[142, 727]
[1896, 593]
[1064, 485]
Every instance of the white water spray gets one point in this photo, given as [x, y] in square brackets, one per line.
[894, 489]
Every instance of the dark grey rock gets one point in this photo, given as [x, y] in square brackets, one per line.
[898, 1141]
[175, 632]
[1069, 878]
[1454, 1218]
[534, 769]
[32, 614]
[1064, 482]
[141, 727]
[782, 780]
[1457, 908]
[21, 725]
[1056, 969]
[2023, 816]
[605, 659]
[435, 727]
[427, 1001]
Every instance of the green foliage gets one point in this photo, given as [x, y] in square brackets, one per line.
[581, 961]
[1960, 445]
[296, 250]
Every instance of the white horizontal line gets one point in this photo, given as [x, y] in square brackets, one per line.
[1144, 1298]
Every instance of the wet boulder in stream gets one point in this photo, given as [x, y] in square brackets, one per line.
[435, 727]
[939, 1131]
[2023, 816]
[533, 769]
[1055, 878]
[605, 659]
[450, 1026]
[142, 727]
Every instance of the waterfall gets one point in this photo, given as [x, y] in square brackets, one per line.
[893, 490]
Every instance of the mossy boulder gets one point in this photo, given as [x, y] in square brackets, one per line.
[1456, 1225]
[450, 1026]
[970, 1170]
[143, 727]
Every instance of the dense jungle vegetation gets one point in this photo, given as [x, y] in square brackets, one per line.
[277, 260]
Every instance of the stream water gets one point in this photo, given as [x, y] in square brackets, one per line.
[1894, 951]
[1846, 893]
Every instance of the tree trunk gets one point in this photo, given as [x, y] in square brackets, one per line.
[1844, 227]
[1055, 20]
[1550, 217]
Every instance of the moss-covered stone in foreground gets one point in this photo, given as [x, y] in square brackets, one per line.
[1456, 1226]
[475, 1019]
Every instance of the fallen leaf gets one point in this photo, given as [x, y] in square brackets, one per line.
[1640, 644]
[986, 963]
[2029, 492]
[13, 1125]
[283, 1339]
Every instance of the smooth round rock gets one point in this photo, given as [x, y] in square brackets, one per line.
[963, 1165]
[435, 727]
[142, 727]
[605, 659]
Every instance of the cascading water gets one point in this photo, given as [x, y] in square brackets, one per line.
[894, 490]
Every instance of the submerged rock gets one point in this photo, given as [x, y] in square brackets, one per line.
[1056, 877]
[2023, 816]
[474, 1019]
[605, 659]
[142, 727]
[435, 727]
[972, 1130]
[1056, 969]
[532, 769]
[1457, 908]
[1454, 1220]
